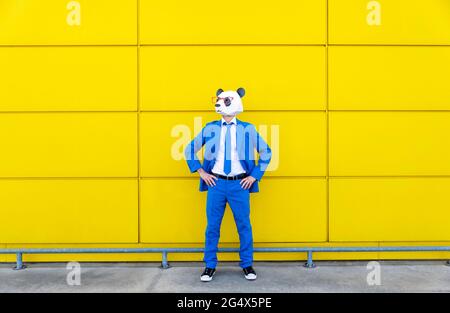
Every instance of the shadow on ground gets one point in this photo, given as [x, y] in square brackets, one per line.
[400, 276]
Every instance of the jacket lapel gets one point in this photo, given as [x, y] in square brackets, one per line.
[215, 141]
[240, 140]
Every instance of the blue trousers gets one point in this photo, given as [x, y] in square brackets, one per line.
[239, 200]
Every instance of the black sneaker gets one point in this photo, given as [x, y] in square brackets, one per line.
[208, 274]
[249, 273]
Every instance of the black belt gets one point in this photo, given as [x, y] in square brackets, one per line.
[237, 177]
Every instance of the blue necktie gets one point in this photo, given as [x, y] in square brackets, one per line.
[227, 161]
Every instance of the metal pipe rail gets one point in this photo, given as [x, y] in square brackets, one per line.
[165, 251]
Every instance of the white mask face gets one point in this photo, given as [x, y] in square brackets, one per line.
[229, 102]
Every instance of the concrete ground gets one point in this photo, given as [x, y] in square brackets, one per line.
[398, 276]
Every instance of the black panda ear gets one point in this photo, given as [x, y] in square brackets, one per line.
[241, 92]
[219, 91]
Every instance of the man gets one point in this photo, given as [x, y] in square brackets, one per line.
[229, 173]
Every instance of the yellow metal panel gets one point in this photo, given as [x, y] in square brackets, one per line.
[68, 145]
[68, 211]
[233, 22]
[103, 212]
[389, 209]
[68, 79]
[389, 143]
[389, 78]
[49, 22]
[275, 78]
[173, 210]
[298, 141]
[163, 137]
[300, 148]
[290, 210]
[389, 22]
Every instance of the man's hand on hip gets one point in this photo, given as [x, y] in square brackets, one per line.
[209, 179]
[247, 182]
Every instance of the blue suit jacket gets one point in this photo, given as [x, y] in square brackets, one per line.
[247, 141]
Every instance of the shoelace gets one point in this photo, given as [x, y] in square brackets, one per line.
[208, 271]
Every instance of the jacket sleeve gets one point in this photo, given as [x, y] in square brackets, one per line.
[265, 154]
[190, 153]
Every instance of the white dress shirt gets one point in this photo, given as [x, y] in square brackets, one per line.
[236, 167]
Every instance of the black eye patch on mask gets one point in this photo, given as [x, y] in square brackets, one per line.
[227, 101]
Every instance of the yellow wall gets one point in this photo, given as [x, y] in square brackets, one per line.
[88, 106]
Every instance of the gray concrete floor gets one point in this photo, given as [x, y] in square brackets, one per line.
[396, 276]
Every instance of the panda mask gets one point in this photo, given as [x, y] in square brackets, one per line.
[229, 102]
